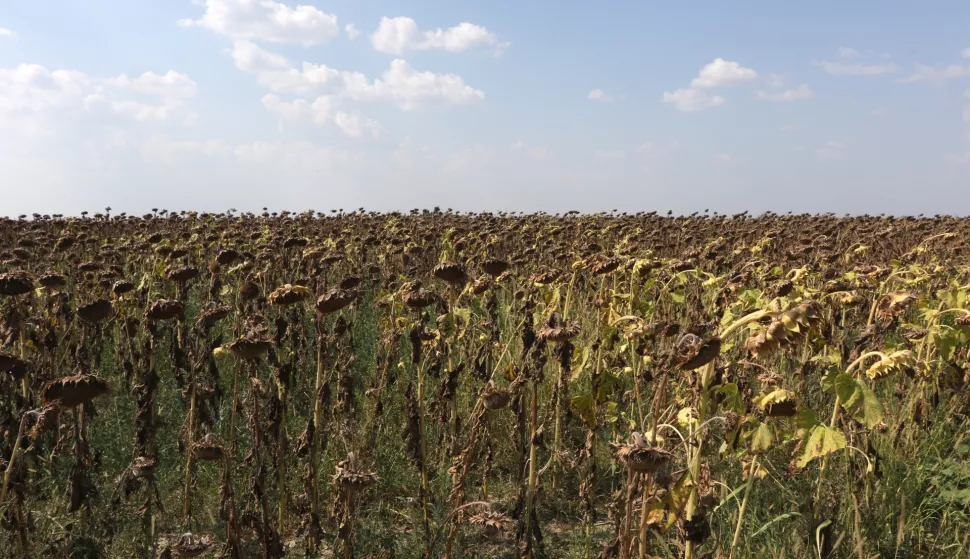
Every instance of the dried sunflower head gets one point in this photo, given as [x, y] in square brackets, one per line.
[52, 281]
[418, 298]
[335, 300]
[14, 365]
[891, 363]
[893, 304]
[164, 309]
[72, 391]
[351, 478]
[288, 295]
[557, 330]
[640, 457]
[494, 525]
[95, 312]
[209, 317]
[451, 273]
[546, 277]
[249, 290]
[182, 274]
[495, 267]
[208, 449]
[121, 287]
[495, 399]
[604, 266]
[15, 283]
[191, 545]
[143, 467]
[702, 354]
[245, 348]
[778, 403]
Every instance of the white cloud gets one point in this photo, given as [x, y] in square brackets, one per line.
[144, 112]
[691, 100]
[395, 35]
[777, 80]
[352, 31]
[832, 151]
[355, 125]
[937, 75]
[6, 33]
[150, 97]
[171, 84]
[533, 152]
[599, 95]
[723, 158]
[409, 88]
[836, 68]
[31, 87]
[795, 94]
[847, 52]
[965, 53]
[321, 111]
[400, 84]
[722, 73]
[848, 64]
[266, 20]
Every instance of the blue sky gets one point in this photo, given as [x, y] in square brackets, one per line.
[856, 107]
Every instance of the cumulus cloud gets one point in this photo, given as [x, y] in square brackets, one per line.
[398, 34]
[690, 100]
[356, 126]
[599, 95]
[937, 75]
[352, 31]
[319, 110]
[409, 88]
[170, 84]
[148, 97]
[722, 73]
[719, 73]
[401, 84]
[266, 20]
[6, 33]
[794, 94]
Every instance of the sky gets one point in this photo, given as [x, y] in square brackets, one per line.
[525, 105]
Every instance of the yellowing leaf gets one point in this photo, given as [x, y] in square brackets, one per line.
[824, 440]
[510, 372]
[858, 400]
[762, 439]
[583, 406]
